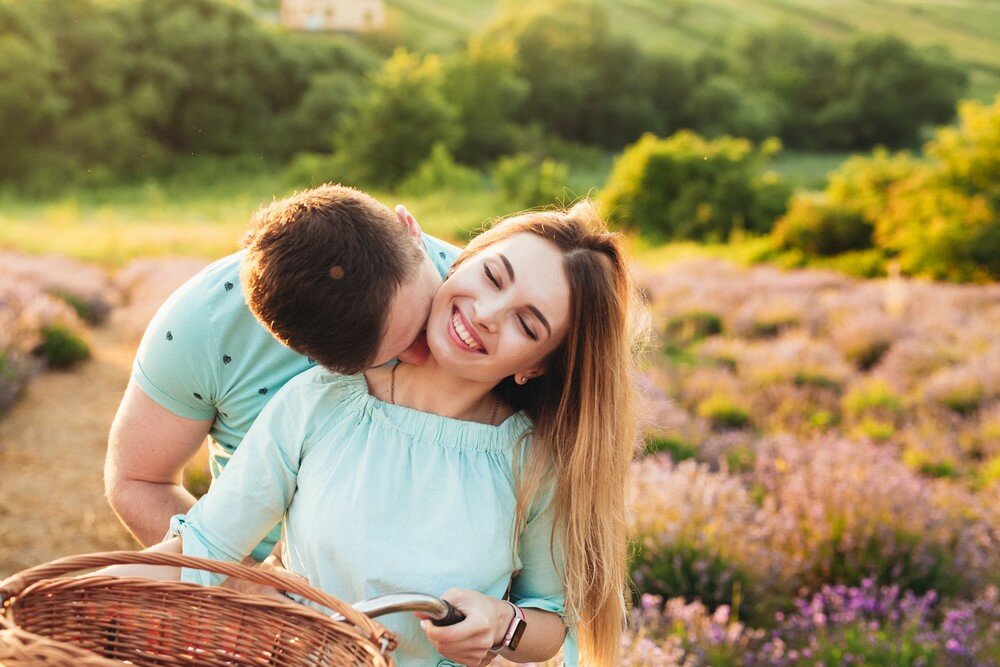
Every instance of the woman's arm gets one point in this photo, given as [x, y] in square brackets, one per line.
[160, 572]
[486, 622]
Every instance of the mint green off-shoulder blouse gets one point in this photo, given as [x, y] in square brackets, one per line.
[378, 498]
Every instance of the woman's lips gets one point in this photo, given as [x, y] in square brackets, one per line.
[457, 338]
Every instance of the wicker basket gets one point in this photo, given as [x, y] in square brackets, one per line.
[101, 620]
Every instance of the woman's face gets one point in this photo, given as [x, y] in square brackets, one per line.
[502, 311]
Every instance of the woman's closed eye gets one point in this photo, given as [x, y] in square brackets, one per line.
[531, 334]
[490, 276]
[496, 283]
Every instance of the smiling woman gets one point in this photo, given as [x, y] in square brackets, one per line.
[493, 474]
[490, 320]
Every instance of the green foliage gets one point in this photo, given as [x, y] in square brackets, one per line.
[686, 187]
[721, 106]
[944, 220]
[308, 170]
[487, 93]
[820, 228]
[526, 182]
[440, 172]
[891, 89]
[940, 218]
[91, 312]
[962, 396]
[989, 473]
[925, 465]
[874, 398]
[740, 459]
[819, 94]
[684, 569]
[583, 83]
[397, 122]
[724, 412]
[678, 449]
[61, 347]
[693, 326]
[876, 430]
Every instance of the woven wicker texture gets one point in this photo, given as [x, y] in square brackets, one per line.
[101, 620]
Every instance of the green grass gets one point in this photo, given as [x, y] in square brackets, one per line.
[198, 215]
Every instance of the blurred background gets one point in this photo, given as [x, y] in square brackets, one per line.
[811, 192]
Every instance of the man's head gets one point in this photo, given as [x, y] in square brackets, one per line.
[336, 276]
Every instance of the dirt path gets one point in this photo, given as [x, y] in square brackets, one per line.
[52, 445]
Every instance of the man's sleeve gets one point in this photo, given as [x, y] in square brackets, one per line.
[442, 254]
[177, 362]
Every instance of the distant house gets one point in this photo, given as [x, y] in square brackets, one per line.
[349, 15]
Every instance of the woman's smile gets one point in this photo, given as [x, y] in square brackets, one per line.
[462, 333]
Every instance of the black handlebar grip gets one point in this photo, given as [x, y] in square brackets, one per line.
[451, 618]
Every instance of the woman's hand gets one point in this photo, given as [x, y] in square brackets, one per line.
[467, 642]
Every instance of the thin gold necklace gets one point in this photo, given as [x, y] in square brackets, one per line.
[392, 394]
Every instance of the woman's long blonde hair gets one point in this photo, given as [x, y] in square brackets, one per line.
[583, 409]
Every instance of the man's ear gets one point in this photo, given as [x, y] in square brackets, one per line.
[407, 220]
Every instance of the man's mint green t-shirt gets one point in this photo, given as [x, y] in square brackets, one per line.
[205, 356]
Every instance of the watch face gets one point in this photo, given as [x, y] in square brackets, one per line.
[515, 639]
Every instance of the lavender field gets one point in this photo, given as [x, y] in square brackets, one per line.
[821, 482]
[821, 475]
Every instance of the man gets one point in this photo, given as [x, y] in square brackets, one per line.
[208, 361]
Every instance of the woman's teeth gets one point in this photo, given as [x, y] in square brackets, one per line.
[463, 333]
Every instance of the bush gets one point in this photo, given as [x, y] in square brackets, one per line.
[693, 326]
[873, 399]
[62, 348]
[690, 531]
[527, 182]
[724, 412]
[440, 172]
[822, 228]
[686, 187]
[678, 449]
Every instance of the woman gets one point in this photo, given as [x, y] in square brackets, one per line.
[501, 462]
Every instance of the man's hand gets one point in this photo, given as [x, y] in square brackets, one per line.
[468, 642]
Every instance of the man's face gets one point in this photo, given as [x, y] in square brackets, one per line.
[403, 336]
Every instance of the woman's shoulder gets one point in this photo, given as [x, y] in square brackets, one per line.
[319, 384]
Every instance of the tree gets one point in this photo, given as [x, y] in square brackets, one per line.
[487, 93]
[584, 84]
[891, 91]
[396, 123]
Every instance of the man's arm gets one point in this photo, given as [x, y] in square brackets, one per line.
[147, 449]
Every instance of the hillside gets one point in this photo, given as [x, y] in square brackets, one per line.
[969, 28]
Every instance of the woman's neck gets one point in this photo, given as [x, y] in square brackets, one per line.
[431, 388]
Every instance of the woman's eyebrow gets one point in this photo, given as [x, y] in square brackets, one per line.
[506, 263]
[537, 313]
[541, 318]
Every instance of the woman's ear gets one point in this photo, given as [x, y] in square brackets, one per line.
[523, 377]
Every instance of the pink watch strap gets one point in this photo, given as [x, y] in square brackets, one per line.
[511, 628]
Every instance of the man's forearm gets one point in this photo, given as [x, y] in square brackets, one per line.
[146, 507]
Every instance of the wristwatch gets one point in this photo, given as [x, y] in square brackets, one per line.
[512, 637]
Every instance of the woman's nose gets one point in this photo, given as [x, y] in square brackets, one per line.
[484, 316]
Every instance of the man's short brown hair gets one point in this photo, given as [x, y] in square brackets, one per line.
[320, 272]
